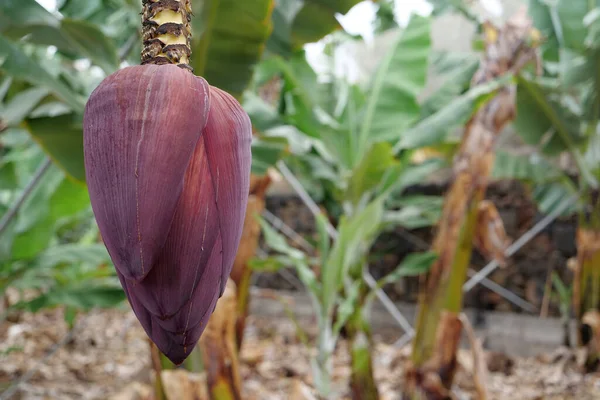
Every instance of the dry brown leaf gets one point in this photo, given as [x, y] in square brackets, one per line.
[490, 237]
[480, 370]
[301, 391]
[182, 385]
[219, 346]
[134, 391]
[241, 272]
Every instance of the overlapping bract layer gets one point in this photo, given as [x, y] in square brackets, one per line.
[168, 165]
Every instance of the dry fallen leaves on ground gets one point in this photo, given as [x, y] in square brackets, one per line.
[108, 358]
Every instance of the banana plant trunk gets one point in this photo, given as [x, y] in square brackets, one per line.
[586, 287]
[219, 349]
[241, 273]
[467, 219]
[225, 331]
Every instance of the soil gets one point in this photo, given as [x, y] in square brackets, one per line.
[107, 357]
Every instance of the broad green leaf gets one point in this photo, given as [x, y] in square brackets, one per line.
[298, 143]
[80, 9]
[446, 63]
[280, 40]
[413, 265]
[570, 16]
[270, 264]
[262, 115]
[320, 168]
[415, 212]
[84, 298]
[296, 22]
[312, 22]
[14, 138]
[576, 69]
[347, 306]
[291, 257]
[277, 242]
[50, 109]
[17, 13]
[354, 240]
[8, 176]
[412, 217]
[461, 7]
[550, 196]
[457, 80]
[78, 37]
[90, 42]
[22, 104]
[266, 152]
[70, 316]
[592, 23]
[564, 291]
[5, 86]
[542, 122]
[19, 65]
[436, 127]
[524, 167]
[385, 18]
[62, 138]
[408, 175]
[35, 225]
[30, 243]
[369, 172]
[393, 106]
[324, 241]
[68, 199]
[541, 15]
[230, 38]
[592, 153]
[302, 97]
[75, 253]
[309, 279]
[36, 206]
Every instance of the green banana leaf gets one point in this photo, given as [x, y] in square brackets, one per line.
[297, 22]
[29, 20]
[229, 40]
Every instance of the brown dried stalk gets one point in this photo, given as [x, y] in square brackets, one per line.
[159, 388]
[466, 217]
[586, 295]
[241, 273]
[220, 351]
[480, 370]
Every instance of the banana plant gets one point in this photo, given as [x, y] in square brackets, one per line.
[358, 151]
[350, 149]
[558, 113]
[467, 218]
[229, 40]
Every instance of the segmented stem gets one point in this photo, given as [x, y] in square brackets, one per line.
[166, 32]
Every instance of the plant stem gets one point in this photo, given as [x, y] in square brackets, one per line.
[159, 389]
[241, 272]
[438, 328]
[14, 209]
[194, 362]
[586, 282]
[165, 363]
[166, 32]
[220, 351]
[362, 378]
